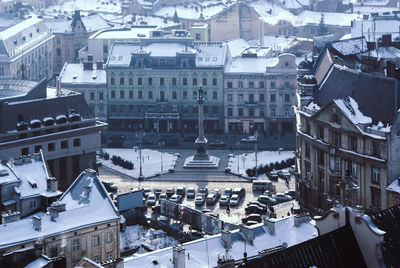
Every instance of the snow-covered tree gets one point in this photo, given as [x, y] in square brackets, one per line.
[322, 30]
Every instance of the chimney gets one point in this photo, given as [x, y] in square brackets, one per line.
[90, 58]
[226, 237]
[37, 223]
[99, 65]
[18, 161]
[247, 232]
[178, 256]
[51, 184]
[299, 219]
[58, 91]
[270, 224]
[58, 206]
[87, 65]
[10, 217]
[386, 40]
[53, 213]
[27, 159]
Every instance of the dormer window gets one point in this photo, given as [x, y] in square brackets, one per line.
[335, 119]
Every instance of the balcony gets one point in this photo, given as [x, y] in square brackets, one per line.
[251, 103]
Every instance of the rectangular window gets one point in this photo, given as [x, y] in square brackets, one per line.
[240, 98]
[139, 81]
[272, 98]
[121, 81]
[131, 108]
[353, 143]
[262, 97]
[101, 96]
[150, 95]
[51, 147]
[261, 84]
[174, 81]
[130, 81]
[77, 142]
[96, 258]
[215, 95]
[150, 81]
[262, 112]
[161, 81]
[185, 94]
[214, 81]
[251, 84]
[230, 112]
[91, 95]
[131, 94]
[273, 112]
[194, 81]
[38, 148]
[121, 94]
[251, 112]
[96, 240]
[194, 109]
[204, 81]
[25, 151]
[109, 256]
[113, 108]
[76, 245]
[307, 150]
[272, 85]
[287, 111]
[174, 95]
[321, 159]
[354, 168]
[112, 81]
[174, 108]
[33, 204]
[336, 138]
[375, 197]
[109, 237]
[376, 149]
[321, 133]
[287, 97]
[184, 81]
[240, 111]
[240, 84]
[194, 94]
[251, 98]
[112, 94]
[375, 175]
[230, 98]
[215, 109]
[229, 84]
[64, 144]
[140, 94]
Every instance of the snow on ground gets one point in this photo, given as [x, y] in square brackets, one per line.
[151, 161]
[137, 236]
[248, 160]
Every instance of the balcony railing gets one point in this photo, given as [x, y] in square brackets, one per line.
[251, 103]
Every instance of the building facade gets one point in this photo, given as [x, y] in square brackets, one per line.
[27, 51]
[154, 86]
[259, 94]
[58, 122]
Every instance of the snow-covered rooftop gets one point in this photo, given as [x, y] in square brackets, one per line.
[350, 109]
[134, 33]
[379, 26]
[192, 11]
[394, 186]
[87, 204]
[69, 7]
[285, 232]
[73, 73]
[250, 65]
[237, 46]
[93, 22]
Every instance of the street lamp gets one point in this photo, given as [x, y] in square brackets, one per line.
[238, 156]
[255, 149]
[140, 136]
[161, 144]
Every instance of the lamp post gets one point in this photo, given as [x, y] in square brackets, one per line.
[161, 144]
[140, 135]
[238, 156]
[255, 149]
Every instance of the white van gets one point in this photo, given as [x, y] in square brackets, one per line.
[261, 185]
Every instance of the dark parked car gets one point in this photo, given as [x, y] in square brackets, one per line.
[273, 175]
[157, 192]
[267, 200]
[284, 174]
[257, 204]
[252, 217]
[240, 191]
[255, 209]
[291, 193]
[203, 191]
[151, 199]
[211, 199]
[282, 197]
[191, 192]
[228, 192]
[170, 192]
[224, 200]
[181, 191]
[156, 209]
[146, 192]
[200, 199]
[110, 186]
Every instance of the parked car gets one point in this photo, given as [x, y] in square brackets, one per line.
[156, 209]
[273, 175]
[228, 192]
[151, 199]
[240, 191]
[291, 193]
[157, 192]
[249, 223]
[163, 196]
[181, 191]
[217, 192]
[110, 186]
[211, 199]
[261, 185]
[257, 204]
[282, 197]
[284, 174]
[255, 209]
[217, 143]
[267, 200]
[146, 192]
[170, 192]
[249, 139]
[203, 191]
[252, 217]
[224, 200]
[191, 192]
[177, 198]
[199, 199]
[234, 201]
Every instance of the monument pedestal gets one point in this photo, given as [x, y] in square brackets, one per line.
[201, 159]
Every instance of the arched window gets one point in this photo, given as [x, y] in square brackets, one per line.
[335, 119]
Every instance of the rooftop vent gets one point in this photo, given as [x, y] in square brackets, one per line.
[48, 121]
[22, 126]
[3, 172]
[35, 123]
[61, 119]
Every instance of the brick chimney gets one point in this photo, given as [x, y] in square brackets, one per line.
[99, 65]
[386, 40]
[247, 232]
[178, 256]
[37, 223]
[10, 216]
[51, 184]
[226, 237]
[270, 224]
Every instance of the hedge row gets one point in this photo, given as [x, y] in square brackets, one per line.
[251, 172]
[118, 161]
